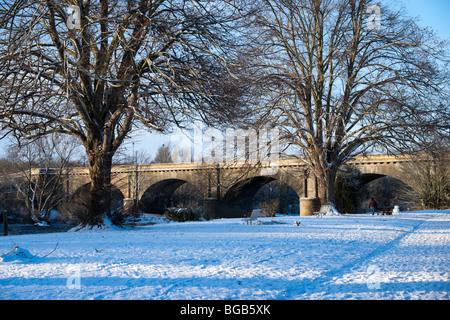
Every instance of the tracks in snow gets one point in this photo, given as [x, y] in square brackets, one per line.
[323, 281]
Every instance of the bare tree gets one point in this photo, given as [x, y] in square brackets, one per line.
[163, 154]
[428, 179]
[337, 85]
[39, 173]
[157, 63]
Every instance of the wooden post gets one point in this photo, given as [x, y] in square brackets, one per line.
[218, 196]
[5, 222]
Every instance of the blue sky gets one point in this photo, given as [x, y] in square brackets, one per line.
[432, 13]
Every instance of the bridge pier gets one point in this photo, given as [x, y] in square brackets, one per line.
[308, 206]
[309, 203]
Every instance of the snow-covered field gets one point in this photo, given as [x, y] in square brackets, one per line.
[405, 256]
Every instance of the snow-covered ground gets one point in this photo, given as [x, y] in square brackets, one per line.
[405, 256]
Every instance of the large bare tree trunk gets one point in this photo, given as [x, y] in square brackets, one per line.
[326, 186]
[100, 189]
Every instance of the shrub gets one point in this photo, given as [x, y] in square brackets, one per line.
[184, 214]
[269, 208]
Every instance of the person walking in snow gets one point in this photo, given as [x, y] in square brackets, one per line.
[373, 206]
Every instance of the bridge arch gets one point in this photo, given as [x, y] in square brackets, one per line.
[368, 178]
[158, 196]
[373, 170]
[382, 180]
[80, 195]
[387, 190]
[238, 200]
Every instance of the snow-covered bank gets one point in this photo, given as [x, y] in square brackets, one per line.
[405, 256]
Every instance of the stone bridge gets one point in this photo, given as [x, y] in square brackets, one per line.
[227, 190]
